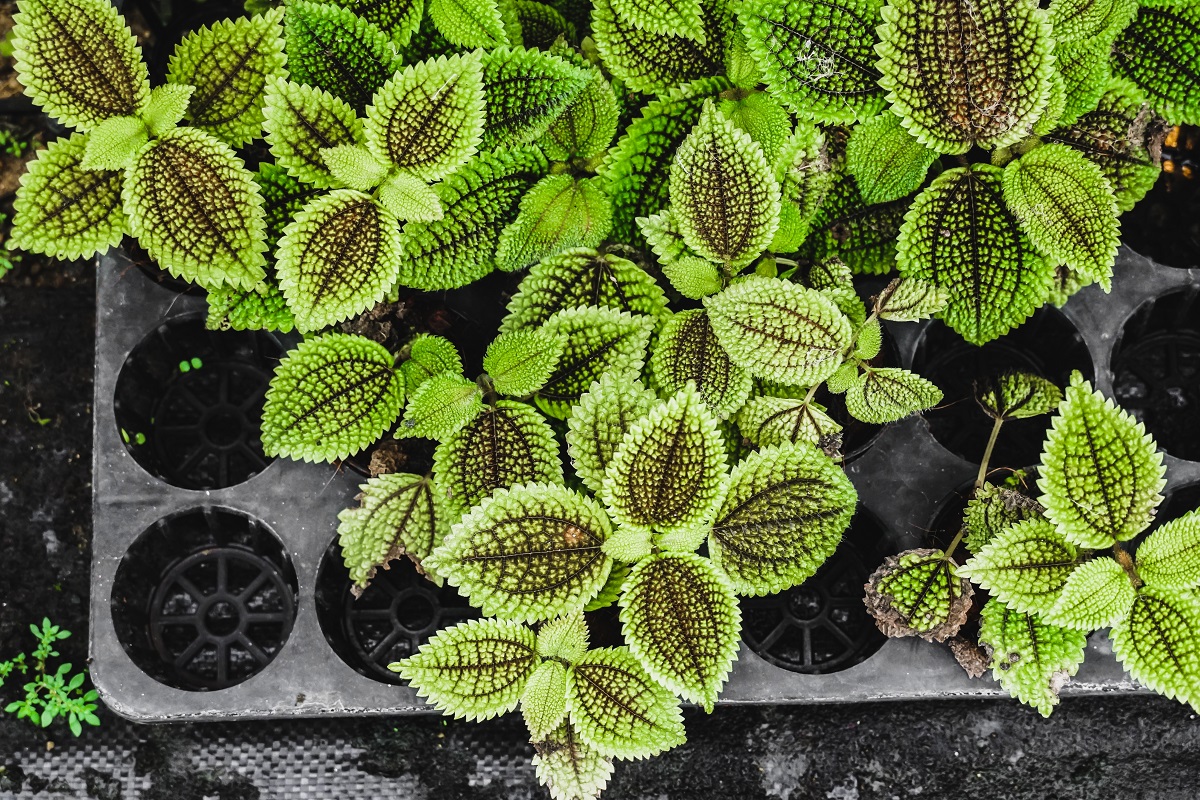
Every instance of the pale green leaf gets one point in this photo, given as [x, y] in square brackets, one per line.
[885, 160]
[409, 198]
[520, 362]
[693, 277]
[768, 421]
[1160, 53]
[991, 510]
[544, 702]
[670, 17]
[869, 340]
[399, 515]
[569, 768]
[840, 381]
[886, 394]
[354, 167]
[300, 122]
[586, 127]
[560, 213]
[1084, 71]
[565, 638]
[630, 545]
[330, 398]
[428, 356]
[687, 351]
[469, 23]
[1031, 659]
[654, 63]
[1158, 644]
[599, 422]
[1017, 395]
[440, 407]
[1169, 558]
[1097, 594]
[112, 144]
[1026, 565]
[740, 64]
[525, 91]
[166, 107]
[916, 593]
[910, 300]
[804, 169]
[336, 50]
[761, 117]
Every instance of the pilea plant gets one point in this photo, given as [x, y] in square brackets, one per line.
[1058, 567]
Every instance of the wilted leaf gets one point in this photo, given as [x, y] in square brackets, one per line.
[916, 593]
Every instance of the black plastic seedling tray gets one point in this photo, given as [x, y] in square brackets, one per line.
[217, 587]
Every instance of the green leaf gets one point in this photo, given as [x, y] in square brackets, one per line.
[769, 421]
[569, 768]
[599, 422]
[1097, 594]
[428, 356]
[1101, 475]
[693, 277]
[474, 670]
[544, 702]
[1159, 52]
[1030, 658]
[478, 201]
[565, 638]
[230, 64]
[579, 278]
[1157, 643]
[440, 407]
[991, 510]
[428, 119]
[166, 107]
[687, 351]
[783, 514]
[960, 236]
[779, 330]
[618, 709]
[336, 50]
[397, 18]
[653, 63]
[638, 166]
[1026, 565]
[818, 58]
[598, 341]
[561, 212]
[78, 61]
[112, 144]
[64, 211]
[676, 17]
[520, 362]
[1169, 558]
[283, 197]
[399, 515]
[196, 209]
[541, 24]
[1084, 70]
[410, 198]
[505, 445]
[761, 117]
[469, 23]
[354, 167]
[528, 553]
[630, 545]
[724, 198]
[916, 593]
[331, 397]
[887, 394]
[910, 300]
[338, 258]
[1017, 395]
[586, 127]
[805, 173]
[525, 91]
[869, 340]
[300, 122]
[1085, 21]
[886, 161]
[669, 469]
[1064, 204]
[681, 619]
[966, 73]
[262, 308]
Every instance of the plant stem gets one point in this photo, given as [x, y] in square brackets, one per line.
[958, 537]
[987, 455]
[1126, 562]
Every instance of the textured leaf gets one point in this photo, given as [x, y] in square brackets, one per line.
[618, 709]
[541, 24]
[612, 588]
[410, 198]
[338, 258]
[1084, 21]
[768, 421]
[1169, 558]
[78, 61]
[693, 277]
[440, 407]
[525, 91]
[469, 23]
[1030, 658]
[1066, 207]
[506, 445]
[561, 212]
[478, 201]
[263, 308]
[112, 144]
[861, 235]
[197, 211]
[916, 593]
[544, 702]
[1097, 594]
[1026, 565]
[336, 50]
[668, 470]
[399, 515]
[528, 553]
[966, 73]
[783, 514]
[1157, 643]
[520, 362]
[960, 236]
[283, 197]
[166, 107]
[991, 510]
[474, 670]
[1101, 473]
[724, 197]
[687, 351]
[331, 397]
[1160, 53]
[300, 122]
[886, 161]
[653, 63]
[600, 420]
[675, 17]
[869, 340]
[64, 211]
[230, 64]
[887, 394]
[429, 356]
[397, 18]
[630, 545]
[818, 58]
[638, 166]
[681, 619]
[779, 330]
[1084, 70]
[586, 126]
[804, 169]
[569, 768]
[761, 117]
[580, 278]
[354, 167]
[1017, 395]
[428, 119]
[598, 341]
[565, 638]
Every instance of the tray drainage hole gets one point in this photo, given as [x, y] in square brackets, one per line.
[1156, 370]
[204, 599]
[189, 402]
[1047, 344]
[415, 611]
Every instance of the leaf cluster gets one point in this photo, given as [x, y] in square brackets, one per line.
[51, 692]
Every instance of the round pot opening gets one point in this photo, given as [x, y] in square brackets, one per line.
[1165, 225]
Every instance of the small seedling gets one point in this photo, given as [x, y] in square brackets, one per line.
[52, 692]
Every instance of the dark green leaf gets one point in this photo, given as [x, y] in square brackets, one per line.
[336, 50]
